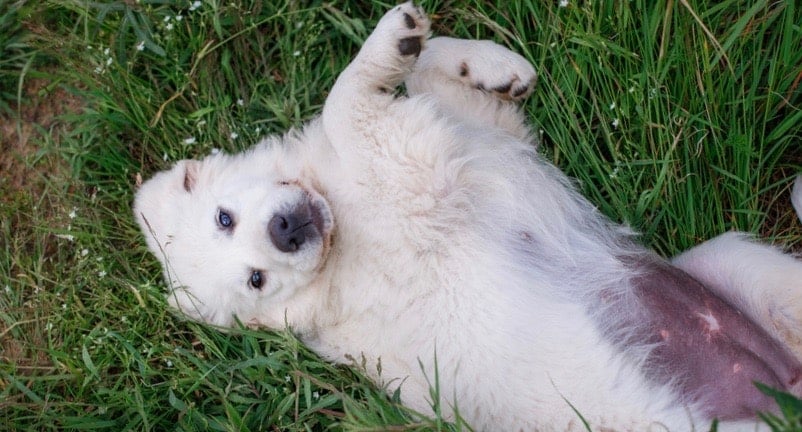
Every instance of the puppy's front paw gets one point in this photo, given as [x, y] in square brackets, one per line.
[416, 28]
[401, 32]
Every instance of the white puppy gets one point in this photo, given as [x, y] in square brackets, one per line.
[412, 229]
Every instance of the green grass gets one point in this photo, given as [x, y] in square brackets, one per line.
[681, 118]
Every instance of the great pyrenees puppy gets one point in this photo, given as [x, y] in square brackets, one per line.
[426, 233]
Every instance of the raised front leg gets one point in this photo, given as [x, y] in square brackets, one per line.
[364, 90]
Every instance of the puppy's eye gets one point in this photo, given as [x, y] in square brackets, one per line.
[257, 280]
[224, 219]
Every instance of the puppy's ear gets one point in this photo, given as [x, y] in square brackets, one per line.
[162, 201]
[191, 168]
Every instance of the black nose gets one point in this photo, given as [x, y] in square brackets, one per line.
[287, 231]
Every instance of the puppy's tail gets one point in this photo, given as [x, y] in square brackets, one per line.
[796, 196]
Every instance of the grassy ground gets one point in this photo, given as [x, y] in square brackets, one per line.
[679, 117]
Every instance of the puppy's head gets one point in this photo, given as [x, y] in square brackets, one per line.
[235, 236]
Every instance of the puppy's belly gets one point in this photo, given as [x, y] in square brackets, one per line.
[715, 352]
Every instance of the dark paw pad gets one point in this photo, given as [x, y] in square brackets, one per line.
[410, 46]
[505, 88]
[409, 21]
[521, 91]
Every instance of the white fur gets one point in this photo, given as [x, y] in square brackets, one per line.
[796, 196]
[451, 237]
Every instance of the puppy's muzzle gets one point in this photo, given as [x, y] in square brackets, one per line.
[289, 231]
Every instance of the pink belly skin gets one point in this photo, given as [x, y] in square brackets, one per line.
[715, 352]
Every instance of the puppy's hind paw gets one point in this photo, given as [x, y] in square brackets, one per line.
[496, 69]
[479, 64]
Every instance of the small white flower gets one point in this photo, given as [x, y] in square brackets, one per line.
[240, 102]
[49, 326]
[101, 274]
[98, 70]
[258, 130]
[169, 363]
[315, 395]
[64, 306]
[215, 151]
[73, 213]
[612, 106]
[631, 89]
[296, 53]
[563, 3]
[287, 378]
[167, 18]
[189, 141]
[195, 5]
[615, 123]
[201, 123]
[179, 17]
[234, 135]
[169, 26]
[140, 46]
[8, 289]
[164, 157]
[109, 61]
[85, 252]
[106, 51]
